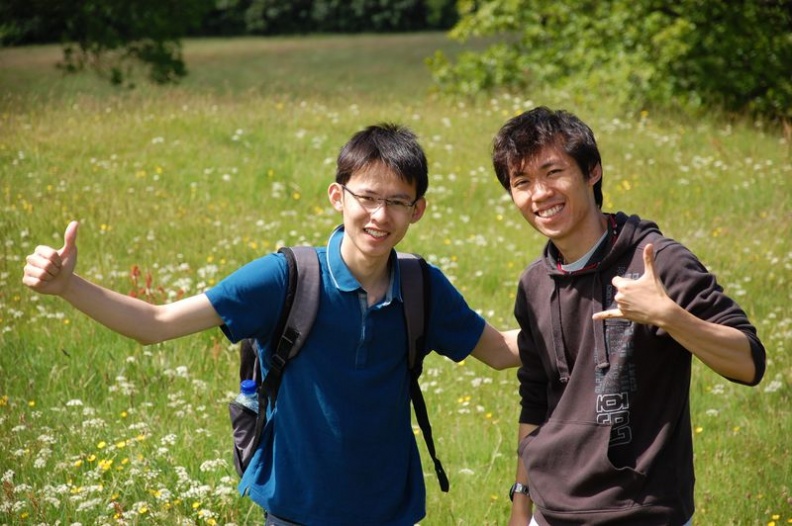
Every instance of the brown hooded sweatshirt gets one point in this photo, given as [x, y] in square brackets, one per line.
[611, 397]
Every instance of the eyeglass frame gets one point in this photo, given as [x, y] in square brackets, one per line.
[367, 202]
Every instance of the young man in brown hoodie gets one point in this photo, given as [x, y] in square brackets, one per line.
[610, 317]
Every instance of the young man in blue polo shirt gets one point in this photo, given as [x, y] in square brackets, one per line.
[338, 449]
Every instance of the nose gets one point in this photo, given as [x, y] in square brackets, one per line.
[380, 210]
[540, 190]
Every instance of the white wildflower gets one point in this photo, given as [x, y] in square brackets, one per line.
[212, 465]
[773, 386]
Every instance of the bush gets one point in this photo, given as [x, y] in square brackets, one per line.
[690, 54]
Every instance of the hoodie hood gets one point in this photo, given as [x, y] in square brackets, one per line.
[624, 233]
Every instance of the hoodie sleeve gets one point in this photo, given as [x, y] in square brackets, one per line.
[531, 374]
[696, 289]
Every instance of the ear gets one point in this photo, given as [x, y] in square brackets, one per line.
[336, 195]
[418, 210]
[595, 175]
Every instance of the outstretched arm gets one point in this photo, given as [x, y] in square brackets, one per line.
[51, 271]
[498, 349]
[723, 349]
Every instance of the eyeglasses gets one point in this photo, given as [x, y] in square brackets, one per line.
[371, 204]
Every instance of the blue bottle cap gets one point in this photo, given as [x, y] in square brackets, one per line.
[248, 387]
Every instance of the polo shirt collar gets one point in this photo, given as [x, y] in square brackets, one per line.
[343, 278]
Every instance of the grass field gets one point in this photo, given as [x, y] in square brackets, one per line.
[187, 183]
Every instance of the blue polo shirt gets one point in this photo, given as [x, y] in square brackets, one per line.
[339, 449]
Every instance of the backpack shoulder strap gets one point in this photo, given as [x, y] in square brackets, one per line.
[302, 307]
[297, 316]
[298, 313]
[413, 273]
[416, 294]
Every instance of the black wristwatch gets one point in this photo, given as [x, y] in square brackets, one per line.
[518, 488]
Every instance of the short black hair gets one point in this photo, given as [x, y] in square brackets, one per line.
[523, 136]
[393, 145]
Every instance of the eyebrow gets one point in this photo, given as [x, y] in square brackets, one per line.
[372, 193]
[553, 161]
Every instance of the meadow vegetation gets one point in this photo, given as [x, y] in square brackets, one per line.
[177, 186]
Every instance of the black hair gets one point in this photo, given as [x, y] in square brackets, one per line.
[394, 146]
[523, 136]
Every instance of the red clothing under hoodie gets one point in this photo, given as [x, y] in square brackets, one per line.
[611, 397]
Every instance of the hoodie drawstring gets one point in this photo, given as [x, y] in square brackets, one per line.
[600, 348]
[558, 338]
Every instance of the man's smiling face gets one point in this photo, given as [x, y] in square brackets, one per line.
[557, 199]
[371, 234]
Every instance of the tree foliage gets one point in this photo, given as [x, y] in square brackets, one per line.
[111, 36]
[692, 54]
[116, 37]
[347, 16]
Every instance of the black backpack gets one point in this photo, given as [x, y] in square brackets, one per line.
[298, 315]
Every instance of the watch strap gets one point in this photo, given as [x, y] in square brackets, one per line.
[518, 487]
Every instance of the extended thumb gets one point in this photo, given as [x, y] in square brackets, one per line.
[70, 237]
[648, 257]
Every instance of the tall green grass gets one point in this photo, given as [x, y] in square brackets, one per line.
[187, 183]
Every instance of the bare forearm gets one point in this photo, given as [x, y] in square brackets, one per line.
[723, 349]
[135, 318]
[498, 349]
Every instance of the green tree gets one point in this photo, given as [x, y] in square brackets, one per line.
[111, 36]
[691, 54]
[348, 16]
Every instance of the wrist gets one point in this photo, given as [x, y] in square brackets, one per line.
[519, 488]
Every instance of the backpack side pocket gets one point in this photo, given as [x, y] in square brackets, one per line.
[243, 424]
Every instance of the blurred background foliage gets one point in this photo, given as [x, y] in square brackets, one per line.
[116, 37]
[695, 56]
[692, 55]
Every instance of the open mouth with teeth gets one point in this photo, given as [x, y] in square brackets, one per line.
[379, 234]
[549, 212]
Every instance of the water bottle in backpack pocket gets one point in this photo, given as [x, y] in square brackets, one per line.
[243, 411]
[248, 395]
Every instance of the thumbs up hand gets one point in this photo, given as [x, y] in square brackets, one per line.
[643, 300]
[49, 270]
